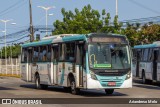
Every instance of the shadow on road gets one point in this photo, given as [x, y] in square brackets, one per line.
[98, 93]
[84, 93]
[139, 81]
[148, 86]
[4, 88]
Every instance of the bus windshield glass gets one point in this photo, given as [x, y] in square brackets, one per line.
[109, 56]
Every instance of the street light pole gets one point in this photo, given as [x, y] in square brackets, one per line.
[116, 7]
[5, 32]
[46, 9]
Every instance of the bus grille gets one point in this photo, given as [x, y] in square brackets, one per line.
[109, 73]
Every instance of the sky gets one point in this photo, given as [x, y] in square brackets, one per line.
[18, 10]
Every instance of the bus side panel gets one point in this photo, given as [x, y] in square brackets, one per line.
[134, 68]
[24, 71]
[69, 68]
[34, 69]
[84, 78]
[148, 71]
[142, 67]
[44, 70]
[63, 69]
[158, 72]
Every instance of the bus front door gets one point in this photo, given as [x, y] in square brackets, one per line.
[155, 59]
[80, 57]
[55, 64]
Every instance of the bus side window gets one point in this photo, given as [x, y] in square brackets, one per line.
[70, 52]
[139, 55]
[145, 55]
[30, 55]
[61, 52]
[35, 54]
[48, 53]
[55, 54]
[43, 53]
[150, 55]
[24, 55]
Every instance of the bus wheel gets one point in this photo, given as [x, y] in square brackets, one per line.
[67, 89]
[44, 86]
[143, 78]
[37, 82]
[109, 91]
[74, 90]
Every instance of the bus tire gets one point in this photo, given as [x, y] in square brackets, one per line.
[37, 82]
[67, 89]
[109, 91]
[74, 90]
[44, 87]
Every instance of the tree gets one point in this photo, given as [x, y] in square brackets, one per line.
[85, 21]
[151, 33]
[89, 20]
[16, 51]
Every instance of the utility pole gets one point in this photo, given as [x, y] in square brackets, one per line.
[116, 7]
[31, 23]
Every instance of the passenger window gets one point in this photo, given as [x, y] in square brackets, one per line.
[49, 53]
[150, 55]
[61, 52]
[145, 55]
[70, 52]
[55, 54]
[35, 54]
[43, 53]
[24, 55]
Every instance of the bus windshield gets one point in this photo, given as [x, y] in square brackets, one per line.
[109, 56]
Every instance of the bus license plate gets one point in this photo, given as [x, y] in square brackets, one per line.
[111, 83]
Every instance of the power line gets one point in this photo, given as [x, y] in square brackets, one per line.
[143, 6]
[13, 7]
[15, 40]
[10, 7]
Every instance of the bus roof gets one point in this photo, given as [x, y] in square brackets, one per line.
[65, 38]
[69, 38]
[145, 46]
[38, 43]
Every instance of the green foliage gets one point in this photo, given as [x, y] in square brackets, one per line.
[85, 21]
[145, 34]
[11, 51]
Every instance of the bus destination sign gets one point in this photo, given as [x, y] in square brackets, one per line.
[108, 39]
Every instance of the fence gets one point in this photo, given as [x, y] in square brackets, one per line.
[12, 67]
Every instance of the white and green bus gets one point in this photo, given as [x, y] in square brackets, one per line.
[77, 61]
[146, 64]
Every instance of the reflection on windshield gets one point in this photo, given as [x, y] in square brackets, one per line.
[109, 56]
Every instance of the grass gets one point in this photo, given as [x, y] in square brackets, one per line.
[10, 75]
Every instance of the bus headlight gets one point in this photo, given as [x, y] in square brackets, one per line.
[128, 75]
[93, 76]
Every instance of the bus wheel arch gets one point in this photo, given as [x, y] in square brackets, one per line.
[38, 85]
[72, 84]
[69, 78]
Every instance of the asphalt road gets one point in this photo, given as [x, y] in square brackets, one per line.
[16, 88]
